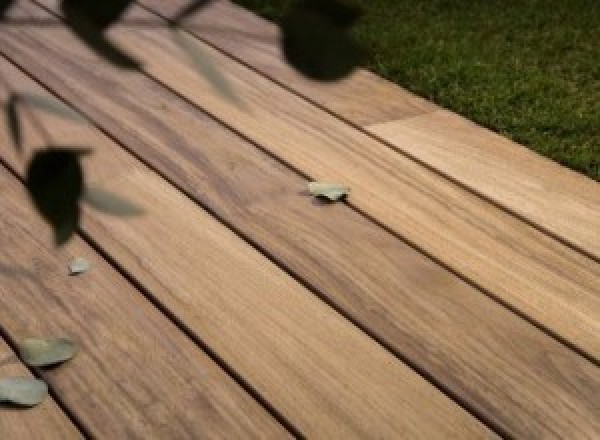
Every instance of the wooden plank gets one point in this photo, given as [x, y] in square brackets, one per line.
[553, 285]
[419, 309]
[45, 421]
[562, 202]
[317, 369]
[137, 375]
[255, 41]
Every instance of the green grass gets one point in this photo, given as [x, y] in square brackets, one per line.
[529, 69]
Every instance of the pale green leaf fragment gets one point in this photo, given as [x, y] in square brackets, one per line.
[78, 266]
[24, 391]
[110, 203]
[330, 191]
[203, 64]
[52, 105]
[44, 352]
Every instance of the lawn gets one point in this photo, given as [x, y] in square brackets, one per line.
[529, 69]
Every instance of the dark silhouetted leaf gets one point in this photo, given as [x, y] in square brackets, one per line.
[4, 5]
[55, 183]
[78, 265]
[46, 352]
[12, 120]
[97, 42]
[24, 391]
[317, 44]
[88, 19]
[330, 191]
[340, 14]
[99, 14]
[203, 65]
[51, 105]
[110, 203]
[190, 9]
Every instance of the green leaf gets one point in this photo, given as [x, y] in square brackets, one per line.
[78, 265]
[4, 5]
[51, 105]
[104, 48]
[190, 9]
[45, 352]
[54, 180]
[12, 120]
[23, 391]
[110, 203]
[204, 67]
[330, 191]
[317, 42]
[98, 13]
[88, 19]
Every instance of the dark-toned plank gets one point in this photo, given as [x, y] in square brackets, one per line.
[564, 203]
[466, 342]
[550, 283]
[323, 374]
[45, 421]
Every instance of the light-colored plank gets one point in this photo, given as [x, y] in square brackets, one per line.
[136, 375]
[45, 421]
[556, 199]
[552, 284]
[322, 373]
[255, 41]
[418, 308]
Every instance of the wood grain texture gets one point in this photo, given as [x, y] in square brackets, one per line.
[552, 284]
[45, 421]
[256, 41]
[322, 373]
[419, 309]
[560, 201]
[137, 375]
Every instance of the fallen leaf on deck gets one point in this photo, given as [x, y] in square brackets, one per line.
[78, 266]
[330, 191]
[46, 352]
[23, 391]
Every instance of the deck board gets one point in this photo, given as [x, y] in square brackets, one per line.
[326, 314]
[323, 374]
[553, 285]
[136, 375]
[557, 200]
[44, 422]
[409, 302]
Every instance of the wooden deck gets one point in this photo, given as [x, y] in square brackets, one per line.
[455, 294]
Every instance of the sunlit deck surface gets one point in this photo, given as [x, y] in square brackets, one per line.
[455, 293]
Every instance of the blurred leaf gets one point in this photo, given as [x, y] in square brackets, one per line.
[79, 265]
[330, 191]
[318, 43]
[51, 105]
[4, 5]
[201, 61]
[88, 19]
[192, 7]
[12, 120]
[99, 14]
[340, 14]
[46, 352]
[23, 391]
[55, 183]
[110, 203]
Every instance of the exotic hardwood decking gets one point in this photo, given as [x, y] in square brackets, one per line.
[436, 303]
